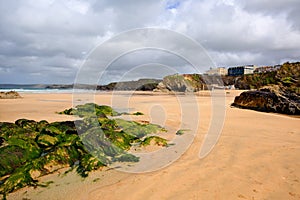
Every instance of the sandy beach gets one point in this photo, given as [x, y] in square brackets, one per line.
[256, 157]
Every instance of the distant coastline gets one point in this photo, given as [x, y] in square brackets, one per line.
[139, 85]
[286, 76]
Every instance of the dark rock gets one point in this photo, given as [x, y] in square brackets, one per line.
[2, 140]
[269, 99]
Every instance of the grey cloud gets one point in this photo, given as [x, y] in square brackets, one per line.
[288, 8]
[46, 41]
[269, 6]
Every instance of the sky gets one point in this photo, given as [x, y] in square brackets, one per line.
[49, 41]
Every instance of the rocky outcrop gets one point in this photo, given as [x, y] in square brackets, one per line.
[9, 95]
[177, 83]
[269, 99]
[183, 83]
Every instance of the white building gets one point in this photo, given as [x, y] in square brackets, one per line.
[217, 71]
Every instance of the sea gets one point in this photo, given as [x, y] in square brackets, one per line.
[21, 90]
[39, 89]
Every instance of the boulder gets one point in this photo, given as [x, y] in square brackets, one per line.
[9, 95]
[269, 99]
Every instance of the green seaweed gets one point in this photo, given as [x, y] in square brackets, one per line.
[91, 109]
[156, 140]
[138, 130]
[138, 113]
[181, 131]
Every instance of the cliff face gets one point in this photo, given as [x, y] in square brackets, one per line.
[179, 83]
[288, 76]
[187, 83]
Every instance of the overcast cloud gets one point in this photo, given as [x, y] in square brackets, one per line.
[46, 41]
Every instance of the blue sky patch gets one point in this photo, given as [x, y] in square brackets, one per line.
[172, 5]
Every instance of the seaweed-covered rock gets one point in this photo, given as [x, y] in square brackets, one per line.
[27, 124]
[269, 99]
[29, 149]
[91, 109]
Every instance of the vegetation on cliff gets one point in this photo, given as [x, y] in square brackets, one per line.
[139, 85]
[287, 77]
[31, 149]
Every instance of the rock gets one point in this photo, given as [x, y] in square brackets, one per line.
[9, 95]
[35, 173]
[269, 99]
[161, 87]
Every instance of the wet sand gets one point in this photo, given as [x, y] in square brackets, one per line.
[256, 157]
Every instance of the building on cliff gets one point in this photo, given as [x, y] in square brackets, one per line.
[217, 71]
[240, 70]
